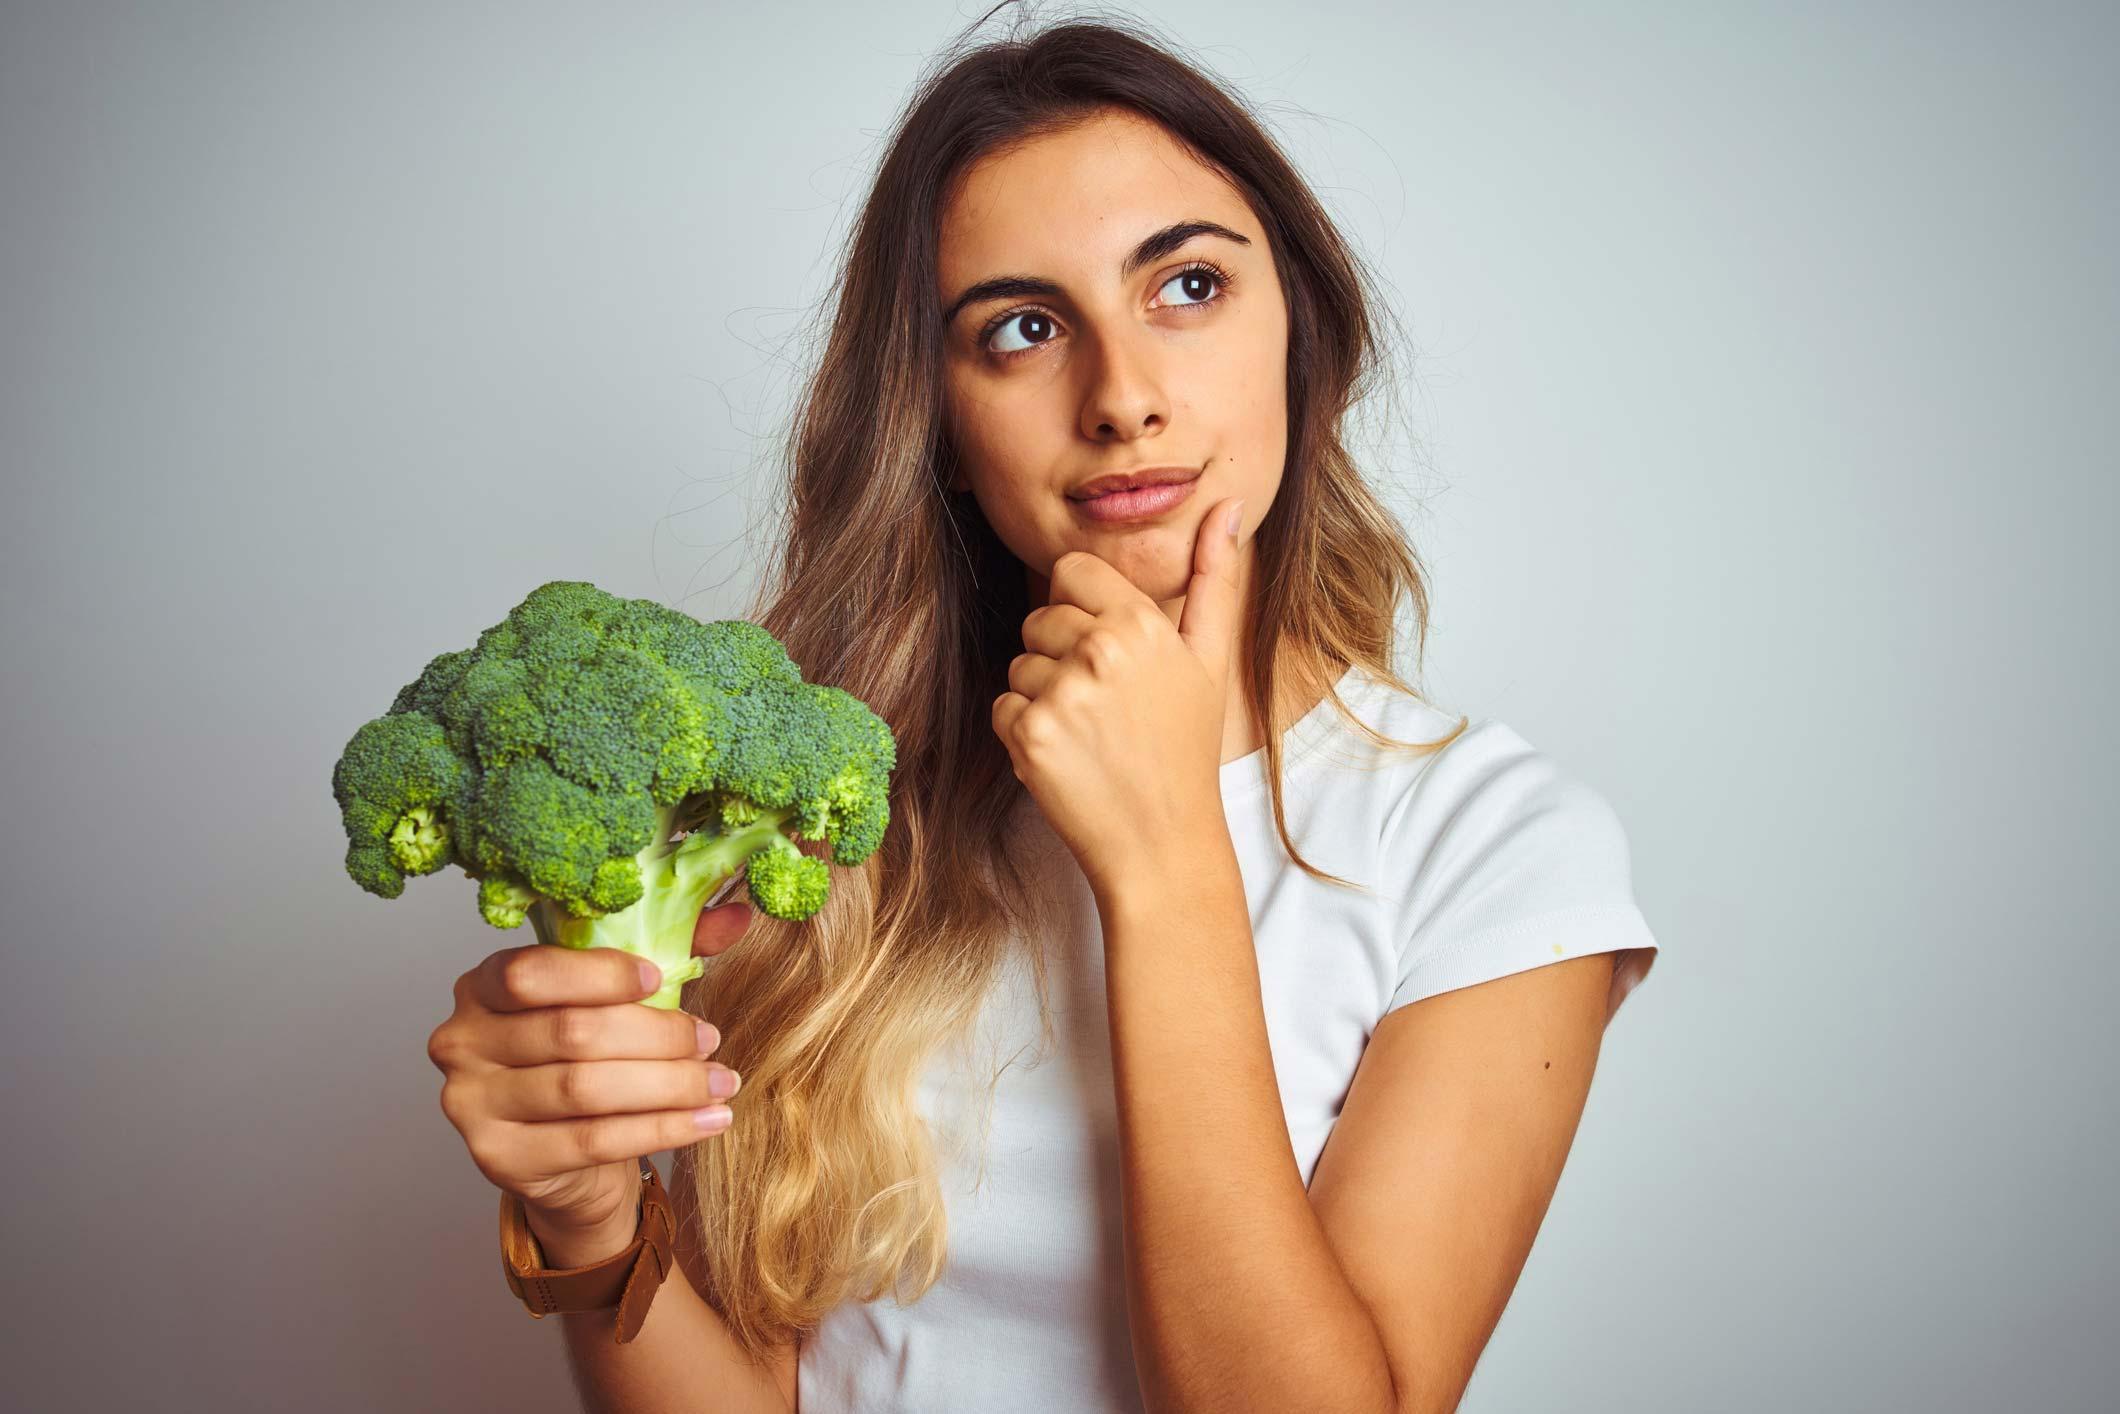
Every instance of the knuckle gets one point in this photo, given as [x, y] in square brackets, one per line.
[459, 1107]
[575, 1031]
[591, 1139]
[518, 976]
[444, 1050]
[574, 1086]
[483, 1155]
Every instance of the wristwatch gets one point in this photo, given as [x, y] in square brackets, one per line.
[627, 1280]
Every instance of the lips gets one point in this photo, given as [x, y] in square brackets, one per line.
[1142, 504]
[1119, 481]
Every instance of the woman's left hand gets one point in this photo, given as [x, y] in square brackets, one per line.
[1114, 717]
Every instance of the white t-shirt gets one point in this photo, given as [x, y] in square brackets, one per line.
[1484, 859]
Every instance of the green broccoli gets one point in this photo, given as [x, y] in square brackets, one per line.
[604, 765]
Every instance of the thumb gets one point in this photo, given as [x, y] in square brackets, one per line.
[721, 925]
[1213, 612]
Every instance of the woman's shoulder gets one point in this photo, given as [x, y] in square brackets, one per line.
[1394, 711]
[1449, 765]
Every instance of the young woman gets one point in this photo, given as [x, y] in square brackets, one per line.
[1212, 1026]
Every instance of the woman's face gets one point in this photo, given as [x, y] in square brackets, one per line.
[1114, 369]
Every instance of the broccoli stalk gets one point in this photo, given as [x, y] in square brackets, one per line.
[604, 766]
[676, 881]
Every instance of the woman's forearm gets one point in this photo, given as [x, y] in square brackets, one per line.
[1235, 1300]
[681, 1359]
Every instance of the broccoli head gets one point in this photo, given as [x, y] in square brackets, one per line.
[602, 766]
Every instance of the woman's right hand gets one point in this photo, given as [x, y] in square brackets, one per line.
[560, 1081]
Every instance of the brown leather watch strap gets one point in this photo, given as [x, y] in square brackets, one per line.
[627, 1279]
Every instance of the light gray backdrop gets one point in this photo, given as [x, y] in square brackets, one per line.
[1762, 429]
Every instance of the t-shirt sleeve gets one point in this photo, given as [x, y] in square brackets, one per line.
[1506, 862]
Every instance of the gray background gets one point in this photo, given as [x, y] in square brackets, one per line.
[1761, 439]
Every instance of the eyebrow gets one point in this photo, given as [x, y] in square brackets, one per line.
[1158, 245]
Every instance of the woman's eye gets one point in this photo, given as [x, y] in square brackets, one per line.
[1201, 275]
[1032, 317]
[1196, 275]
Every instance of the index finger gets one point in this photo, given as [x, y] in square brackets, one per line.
[545, 974]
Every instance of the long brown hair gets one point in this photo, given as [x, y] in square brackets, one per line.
[884, 583]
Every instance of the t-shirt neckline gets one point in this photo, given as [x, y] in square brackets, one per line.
[1248, 772]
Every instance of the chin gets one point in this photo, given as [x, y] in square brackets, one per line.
[1156, 560]
[1165, 585]
[1159, 565]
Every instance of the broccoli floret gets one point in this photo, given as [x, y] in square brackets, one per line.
[602, 766]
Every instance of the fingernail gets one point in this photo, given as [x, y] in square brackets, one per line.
[650, 976]
[722, 1083]
[714, 1118]
[1236, 516]
[709, 1038]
